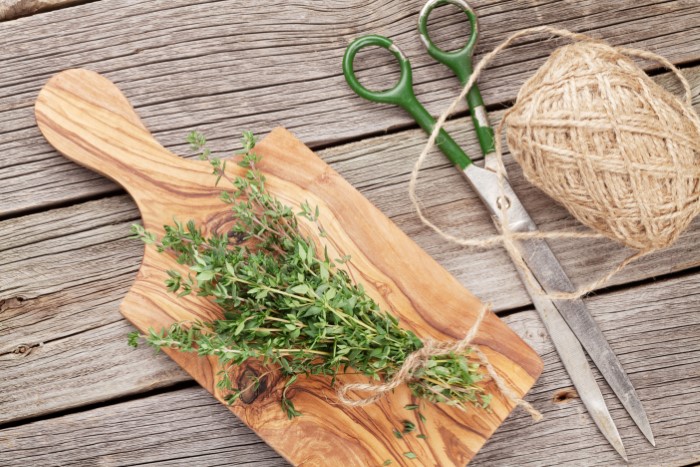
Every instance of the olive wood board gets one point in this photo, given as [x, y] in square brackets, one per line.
[87, 119]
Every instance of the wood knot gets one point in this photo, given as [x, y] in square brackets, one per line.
[237, 237]
[383, 288]
[325, 177]
[564, 396]
[251, 385]
[10, 303]
[23, 350]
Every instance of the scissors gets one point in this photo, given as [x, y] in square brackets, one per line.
[569, 324]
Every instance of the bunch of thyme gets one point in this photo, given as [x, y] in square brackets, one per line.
[287, 304]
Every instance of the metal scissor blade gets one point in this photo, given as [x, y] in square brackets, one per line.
[574, 359]
[546, 269]
[548, 272]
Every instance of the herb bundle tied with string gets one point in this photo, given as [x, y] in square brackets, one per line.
[287, 304]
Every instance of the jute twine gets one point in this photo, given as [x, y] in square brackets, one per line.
[593, 131]
[418, 359]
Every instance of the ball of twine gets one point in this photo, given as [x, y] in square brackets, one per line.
[621, 153]
[593, 131]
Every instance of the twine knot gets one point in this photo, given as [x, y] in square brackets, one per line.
[418, 359]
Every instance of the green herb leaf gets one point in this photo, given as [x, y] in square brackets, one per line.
[301, 289]
[205, 276]
[133, 338]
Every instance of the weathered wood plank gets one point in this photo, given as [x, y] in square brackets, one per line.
[48, 376]
[135, 432]
[654, 329]
[13, 9]
[43, 337]
[249, 67]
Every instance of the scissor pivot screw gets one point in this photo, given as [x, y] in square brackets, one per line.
[503, 203]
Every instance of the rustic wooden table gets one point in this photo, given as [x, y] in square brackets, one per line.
[72, 392]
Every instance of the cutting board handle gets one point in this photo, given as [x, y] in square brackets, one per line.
[88, 119]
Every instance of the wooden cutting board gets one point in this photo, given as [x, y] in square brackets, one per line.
[85, 117]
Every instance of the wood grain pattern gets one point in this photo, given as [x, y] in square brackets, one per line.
[255, 66]
[654, 328]
[87, 118]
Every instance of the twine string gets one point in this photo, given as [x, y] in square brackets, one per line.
[506, 236]
[418, 359]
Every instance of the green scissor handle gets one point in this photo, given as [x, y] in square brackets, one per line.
[400, 94]
[460, 62]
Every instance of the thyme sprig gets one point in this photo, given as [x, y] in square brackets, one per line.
[286, 303]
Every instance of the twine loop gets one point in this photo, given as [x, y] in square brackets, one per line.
[418, 359]
[647, 235]
[673, 131]
[677, 198]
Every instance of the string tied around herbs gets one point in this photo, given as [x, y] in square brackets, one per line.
[420, 358]
[665, 188]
